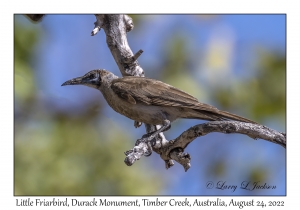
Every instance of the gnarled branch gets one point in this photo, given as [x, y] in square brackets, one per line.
[116, 27]
[174, 149]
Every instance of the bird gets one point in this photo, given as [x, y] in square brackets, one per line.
[150, 101]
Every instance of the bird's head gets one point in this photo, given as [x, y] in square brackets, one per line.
[95, 79]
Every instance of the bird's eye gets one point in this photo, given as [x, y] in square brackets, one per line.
[91, 76]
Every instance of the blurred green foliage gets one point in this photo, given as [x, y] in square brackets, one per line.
[59, 153]
[264, 94]
[176, 67]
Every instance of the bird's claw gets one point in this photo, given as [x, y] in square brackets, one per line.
[149, 151]
[147, 139]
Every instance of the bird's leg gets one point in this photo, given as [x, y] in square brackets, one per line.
[147, 138]
[154, 140]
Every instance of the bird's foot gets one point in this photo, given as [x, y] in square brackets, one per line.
[148, 139]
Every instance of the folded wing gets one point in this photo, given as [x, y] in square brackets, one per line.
[139, 90]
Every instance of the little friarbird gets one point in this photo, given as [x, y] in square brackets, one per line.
[150, 101]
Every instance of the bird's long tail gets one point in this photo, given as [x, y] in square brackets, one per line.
[219, 115]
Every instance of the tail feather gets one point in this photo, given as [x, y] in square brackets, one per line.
[223, 115]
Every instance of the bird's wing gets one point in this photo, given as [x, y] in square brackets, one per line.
[139, 90]
[153, 92]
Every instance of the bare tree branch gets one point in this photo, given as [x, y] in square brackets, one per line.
[116, 27]
[174, 149]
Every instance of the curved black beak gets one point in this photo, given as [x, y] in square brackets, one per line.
[75, 81]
